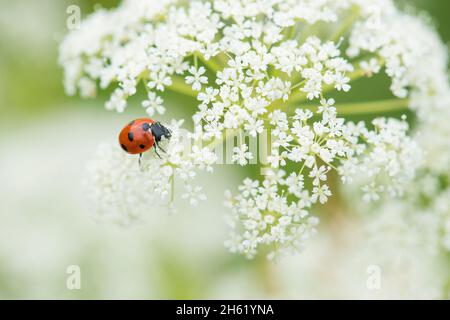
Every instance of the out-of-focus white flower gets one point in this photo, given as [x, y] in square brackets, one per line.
[425, 207]
[153, 104]
[370, 67]
[194, 195]
[412, 53]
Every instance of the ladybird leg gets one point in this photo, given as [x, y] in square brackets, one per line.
[140, 160]
[156, 151]
[157, 143]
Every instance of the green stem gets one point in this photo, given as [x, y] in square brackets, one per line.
[346, 24]
[195, 61]
[367, 107]
[267, 276]
[179, 86]
[223, 58]
[172, 186]
[211, 64]
[356, 108]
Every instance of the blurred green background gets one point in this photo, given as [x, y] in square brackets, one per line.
[46, 139]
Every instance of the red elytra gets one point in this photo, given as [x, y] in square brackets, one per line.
[136, 137]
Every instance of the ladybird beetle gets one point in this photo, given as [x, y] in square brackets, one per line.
[141, 135]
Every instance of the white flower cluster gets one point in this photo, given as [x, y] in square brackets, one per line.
[385, 158]
[425, 209]
[270, 66]
[268, 218]
[246, 92]
[412, 53]
[120, 190]
[390, 163]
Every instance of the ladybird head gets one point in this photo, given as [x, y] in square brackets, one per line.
[159, 131]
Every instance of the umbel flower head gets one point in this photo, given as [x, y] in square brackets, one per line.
[267, 66]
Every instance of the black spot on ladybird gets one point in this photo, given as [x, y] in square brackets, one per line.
[145, 126]
[142, 146]
[130, 136]
[123, 147]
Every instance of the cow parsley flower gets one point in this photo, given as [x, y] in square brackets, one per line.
[242, 155]
[153, 104]
[267, 67]
[197, 78]
[263, 217]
